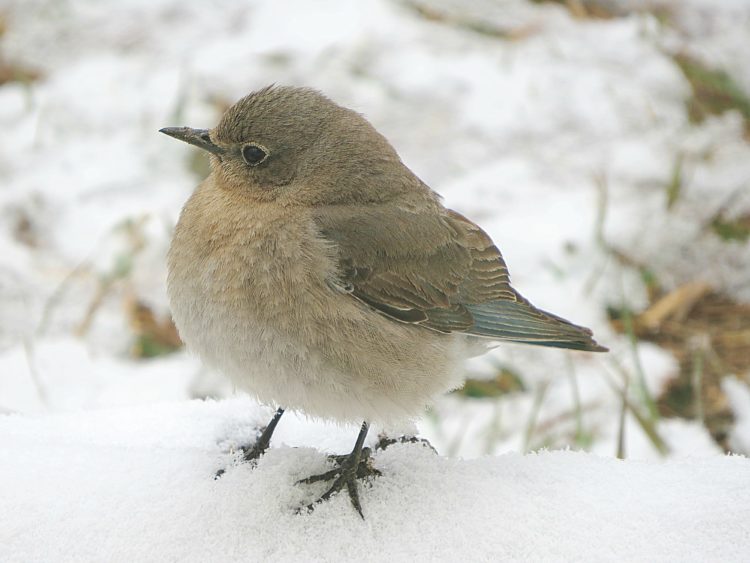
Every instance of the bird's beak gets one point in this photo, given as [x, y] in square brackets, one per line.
[198, 137]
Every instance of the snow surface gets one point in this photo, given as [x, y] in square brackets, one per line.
[136, 485]
[559, 140]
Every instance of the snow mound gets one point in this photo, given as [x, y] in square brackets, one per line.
[137, 485]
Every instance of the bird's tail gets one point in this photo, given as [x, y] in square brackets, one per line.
[520, 321]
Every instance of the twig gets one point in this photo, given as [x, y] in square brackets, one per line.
[534, 414]
[28, 349]
[621, 430]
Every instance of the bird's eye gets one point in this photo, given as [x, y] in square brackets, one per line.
[254, 154]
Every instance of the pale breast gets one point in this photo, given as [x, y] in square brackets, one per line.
[252, 292]
[241, 277]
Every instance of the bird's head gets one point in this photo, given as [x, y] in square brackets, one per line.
[297, 147]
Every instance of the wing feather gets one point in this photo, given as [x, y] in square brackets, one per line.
[430, 266]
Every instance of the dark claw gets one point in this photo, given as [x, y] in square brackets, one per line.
[253, 453]
[342, 477]
[351, 487]
[346, 474]
[356, 465]
[263, 440]
[327, 476]
[384, 441]
[364, 469]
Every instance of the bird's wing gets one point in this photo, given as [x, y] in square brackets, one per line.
[435, 268]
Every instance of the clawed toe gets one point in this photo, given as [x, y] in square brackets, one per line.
[364, 469]
[350, 468]
[254, 452]
[384, 442]
[345, 475]
[263, 440]
[327, 476]
[248, 454]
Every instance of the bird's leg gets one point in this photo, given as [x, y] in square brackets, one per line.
[356, 465]
[261, 444]
[385, 441]
[250, 453]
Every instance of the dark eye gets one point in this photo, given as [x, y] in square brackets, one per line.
[254, 154]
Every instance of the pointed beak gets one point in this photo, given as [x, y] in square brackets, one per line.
[198, 137]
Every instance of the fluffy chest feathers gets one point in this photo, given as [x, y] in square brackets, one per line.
[251, 293]
[261, 260]
[248, 287]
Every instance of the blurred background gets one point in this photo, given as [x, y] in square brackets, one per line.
[603, 144]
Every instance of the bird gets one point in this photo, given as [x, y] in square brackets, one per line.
[315, 270]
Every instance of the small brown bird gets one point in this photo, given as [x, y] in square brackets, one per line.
[320, 274]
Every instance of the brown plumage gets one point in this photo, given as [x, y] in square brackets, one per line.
[433, 267]
[319, 273]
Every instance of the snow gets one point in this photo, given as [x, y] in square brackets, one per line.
[739, 397]
[558, 136]
[136, 484]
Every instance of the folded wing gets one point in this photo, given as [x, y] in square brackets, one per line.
[435, 268]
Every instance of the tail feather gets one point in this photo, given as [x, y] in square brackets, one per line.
[519, 321]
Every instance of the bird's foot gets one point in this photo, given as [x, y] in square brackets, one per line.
[253, 453]
[385, 441]
[262, 441]
[249, 453]
[349, 468]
